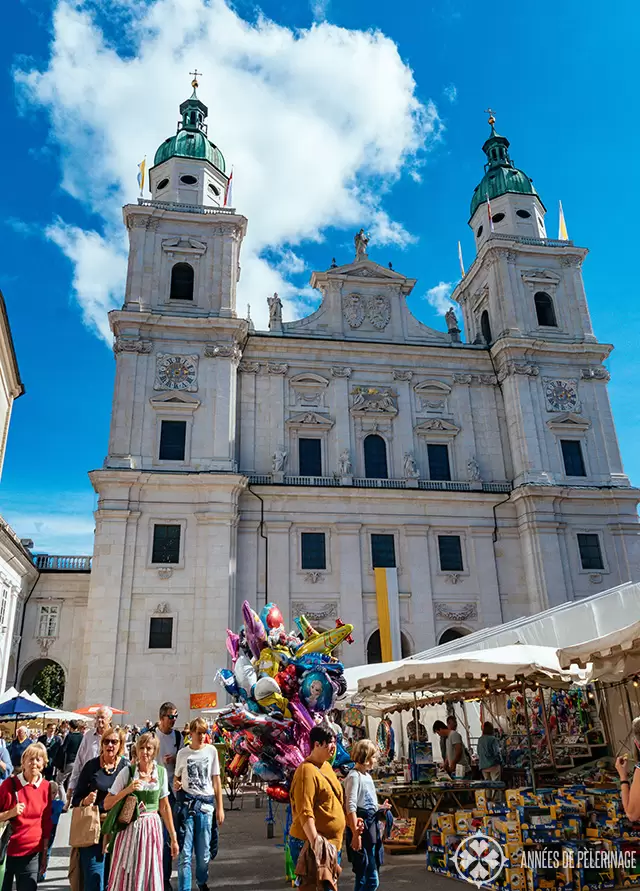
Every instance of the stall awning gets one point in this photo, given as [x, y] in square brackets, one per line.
[563, 626]
[612, 657]
[466, 671]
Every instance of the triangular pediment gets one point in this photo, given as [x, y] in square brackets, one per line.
[568, 421]
[174, 401]
[310, 419]
[437, 428]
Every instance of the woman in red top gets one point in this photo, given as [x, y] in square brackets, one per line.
[26, 801]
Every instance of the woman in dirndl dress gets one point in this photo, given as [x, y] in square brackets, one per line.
[136, 861]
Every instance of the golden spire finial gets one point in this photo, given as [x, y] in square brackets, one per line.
[195, 74]
[491, 114]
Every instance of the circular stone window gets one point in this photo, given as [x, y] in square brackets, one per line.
[523, 214]
[479, 232]
[498, 217]
[214, 189]
[189, 180]
[163, 183]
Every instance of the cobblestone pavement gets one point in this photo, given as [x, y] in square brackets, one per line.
[249, 861]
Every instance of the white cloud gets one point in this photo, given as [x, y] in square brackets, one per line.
[318, 123]
[290, 263]
[439, 297]
[450, 93]
[61, 525]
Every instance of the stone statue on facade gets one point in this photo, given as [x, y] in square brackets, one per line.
[279, 459]
[473, 469]
[275, 311]
[411, 471]
[361, 241]
[345, 467]
[451, 320]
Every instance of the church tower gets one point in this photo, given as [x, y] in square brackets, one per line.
[523, 301]
[163, 575]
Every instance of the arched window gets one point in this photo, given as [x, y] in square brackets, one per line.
[544, 310]
[374, 648]
[451, 634]
[375, 458]
[181, 282]
[485, 327]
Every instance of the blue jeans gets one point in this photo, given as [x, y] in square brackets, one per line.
[368, 880]
[92, 863]
[197, 837]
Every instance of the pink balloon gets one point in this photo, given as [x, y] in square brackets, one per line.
[301, 714]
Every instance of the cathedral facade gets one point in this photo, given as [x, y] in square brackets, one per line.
[289, 464]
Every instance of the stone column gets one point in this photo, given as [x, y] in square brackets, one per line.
[214, 594]
[279, 570]
[423, 626]
[351, 600]
[224, 412]
[341, 438]
[486, 571]
[106, 629]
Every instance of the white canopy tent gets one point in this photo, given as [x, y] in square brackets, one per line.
[466, 671]
[562, 626]
[612, 657]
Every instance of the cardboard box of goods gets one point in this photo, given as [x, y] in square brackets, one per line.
[464, 822]
[497, 807]
[481, 799]
[571, 827]
[515, 879]
[447, 823]
[586, 877]
[513, 854]
[507, 833]
[512, 797]
[628, 874]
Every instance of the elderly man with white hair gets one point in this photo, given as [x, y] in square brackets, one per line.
[18, 746]
[90, 746]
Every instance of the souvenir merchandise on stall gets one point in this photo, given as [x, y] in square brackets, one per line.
[283, 684]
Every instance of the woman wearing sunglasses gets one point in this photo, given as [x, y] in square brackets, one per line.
[94, 782]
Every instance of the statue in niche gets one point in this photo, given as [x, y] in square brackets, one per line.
[473, 469]
[279, 459]
[275, 310]
[411, 471]
[361, 241]
[345, 467]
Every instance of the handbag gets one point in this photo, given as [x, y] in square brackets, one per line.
[85, 826]
[128, 809]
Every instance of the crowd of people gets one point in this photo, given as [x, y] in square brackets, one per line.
[139, 799]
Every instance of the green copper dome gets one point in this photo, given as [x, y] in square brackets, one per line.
[191, 140]
[500, 175]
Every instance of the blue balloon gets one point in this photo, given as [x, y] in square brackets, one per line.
[228, 681]
[342, 756]
[316, 691]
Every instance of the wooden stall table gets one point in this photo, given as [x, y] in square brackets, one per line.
[422, 800]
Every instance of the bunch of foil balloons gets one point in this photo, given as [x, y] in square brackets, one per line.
[283, 684]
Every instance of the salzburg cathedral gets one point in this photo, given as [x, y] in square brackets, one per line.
[481, 470]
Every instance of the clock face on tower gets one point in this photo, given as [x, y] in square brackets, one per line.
[561, 395]
[176, 372]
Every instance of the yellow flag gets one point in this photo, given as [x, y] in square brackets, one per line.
[562, 226]
[141, 169]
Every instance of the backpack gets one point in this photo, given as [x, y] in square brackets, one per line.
[176, 735]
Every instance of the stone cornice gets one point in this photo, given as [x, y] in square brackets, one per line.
[527, 350]
[150, 324]
[623, 493]
[122, 478]
[135, 214]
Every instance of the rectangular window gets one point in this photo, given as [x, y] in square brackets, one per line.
[161, 633]
[166, 544]
[310, 457]
[590, 552]
[313, 549]
[4, 600]
[383, 551]
[438, 461]
[48, 620]
[572, 457]
[450, 550]
[173, 436]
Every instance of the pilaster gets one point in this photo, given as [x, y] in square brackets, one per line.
[279, 572]
[352, 607]
[423, 626]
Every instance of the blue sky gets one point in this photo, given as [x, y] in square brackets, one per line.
[374, 117]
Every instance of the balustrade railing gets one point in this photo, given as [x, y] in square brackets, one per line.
[52, 562]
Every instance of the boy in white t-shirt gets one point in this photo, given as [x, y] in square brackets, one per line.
[197, 782]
